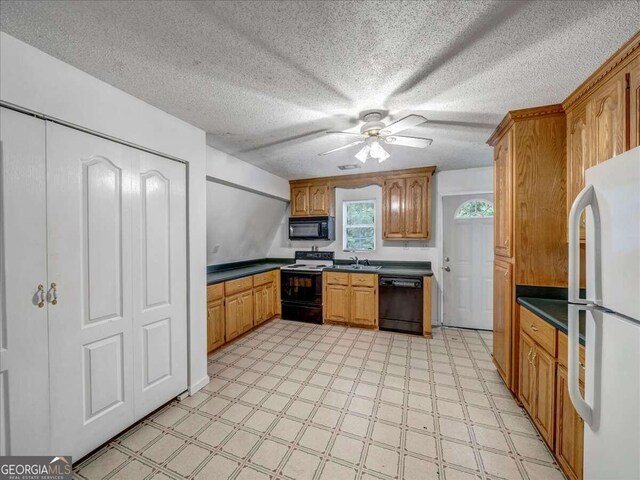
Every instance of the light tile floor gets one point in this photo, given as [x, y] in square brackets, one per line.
[298, 401]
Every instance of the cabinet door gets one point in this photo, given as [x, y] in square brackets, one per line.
[246, 315]
[270, 298]
[502, 319]
[299, 201]
[544, 375]
[233, 310]
[569, 429]
[634, 103]
[577, 157]
[259, 312]
[606, 113]
[319, 200]
[363, 306]
[337, 303]
[393, 207]
[503, 214]
[525, 384]
[417, 203]
[215, 324]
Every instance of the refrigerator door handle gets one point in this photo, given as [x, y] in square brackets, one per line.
[586, 198]
[582, 407]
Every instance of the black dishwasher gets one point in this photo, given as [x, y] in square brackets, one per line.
[400, 308]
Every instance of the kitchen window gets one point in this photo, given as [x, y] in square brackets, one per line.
[359, 225]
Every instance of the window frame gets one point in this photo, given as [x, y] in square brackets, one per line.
[483, 200]
[345, 225]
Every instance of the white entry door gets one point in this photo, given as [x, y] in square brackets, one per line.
[468, 261]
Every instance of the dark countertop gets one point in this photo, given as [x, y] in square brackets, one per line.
[243, 271]
[399, 271]
[553, 311]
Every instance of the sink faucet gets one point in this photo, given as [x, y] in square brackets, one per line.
[355, 259]
[366, 262]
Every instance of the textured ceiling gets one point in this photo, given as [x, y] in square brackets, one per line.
[266, 79]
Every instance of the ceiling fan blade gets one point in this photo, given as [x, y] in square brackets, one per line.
[357, 142]
[402, 124]
[415, 142]
[347, 133]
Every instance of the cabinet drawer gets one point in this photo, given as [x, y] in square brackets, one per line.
[364, 279]
[539, 330]
[215, 292]
[263, 278]
[563, 354]
[337, 278]
[238, 285]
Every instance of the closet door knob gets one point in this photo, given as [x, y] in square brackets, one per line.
[41, 295]
[54, 293]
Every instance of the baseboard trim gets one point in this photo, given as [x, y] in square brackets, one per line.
[193, 388]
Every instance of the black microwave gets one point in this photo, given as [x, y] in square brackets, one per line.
[312, 228]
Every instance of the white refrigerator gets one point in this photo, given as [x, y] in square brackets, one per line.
[611, 404]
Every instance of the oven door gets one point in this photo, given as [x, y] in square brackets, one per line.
[301, 287]
[305, 229]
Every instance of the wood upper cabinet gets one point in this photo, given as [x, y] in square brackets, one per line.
[311, 199]
[336, 303]
[299, 201]
[417, 207]
[502, 321]
[503, 198]
[393, 206]
[544, 378]
[606, 111]
[578, 157]
[363, 306]
[634, 103]
[569, 448]
[319, 199]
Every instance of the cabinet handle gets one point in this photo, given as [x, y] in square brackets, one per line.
[54, 293]
[41, 295]
[529, 357]
[534, 328]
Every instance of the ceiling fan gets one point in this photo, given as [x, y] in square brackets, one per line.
[374, 133]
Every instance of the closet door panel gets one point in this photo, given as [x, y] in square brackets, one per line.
[24, 349]
[159, 282]
[89, 197]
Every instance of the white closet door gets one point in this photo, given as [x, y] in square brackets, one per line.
[24, 370]
[159, 282]
[89, 198]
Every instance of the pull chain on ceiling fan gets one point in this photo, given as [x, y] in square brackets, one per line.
[374, 133]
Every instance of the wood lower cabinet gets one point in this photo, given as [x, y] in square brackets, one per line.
[537, 385]
[569, 448]
[215, 324]
[502, 318]
[364, 306]
[336, 303]
[236, 306]
[351, 298]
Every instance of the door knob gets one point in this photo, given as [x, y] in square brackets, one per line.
[447, 268]
[446, 259]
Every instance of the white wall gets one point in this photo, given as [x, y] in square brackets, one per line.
[31, 79]
[232, 170]
[240, 224]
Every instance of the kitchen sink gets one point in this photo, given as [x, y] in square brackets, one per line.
[353, 266]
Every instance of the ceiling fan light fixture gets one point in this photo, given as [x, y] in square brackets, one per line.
[378, 152]
[363, 154]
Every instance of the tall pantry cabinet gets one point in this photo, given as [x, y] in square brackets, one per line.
[529, 221]
[94, 273]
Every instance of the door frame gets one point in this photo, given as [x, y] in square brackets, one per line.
[440, 241]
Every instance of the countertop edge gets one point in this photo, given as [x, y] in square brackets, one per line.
[233, 274]
[550, 319]
[422, 272]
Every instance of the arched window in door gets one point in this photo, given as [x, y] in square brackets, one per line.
[478, 208]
